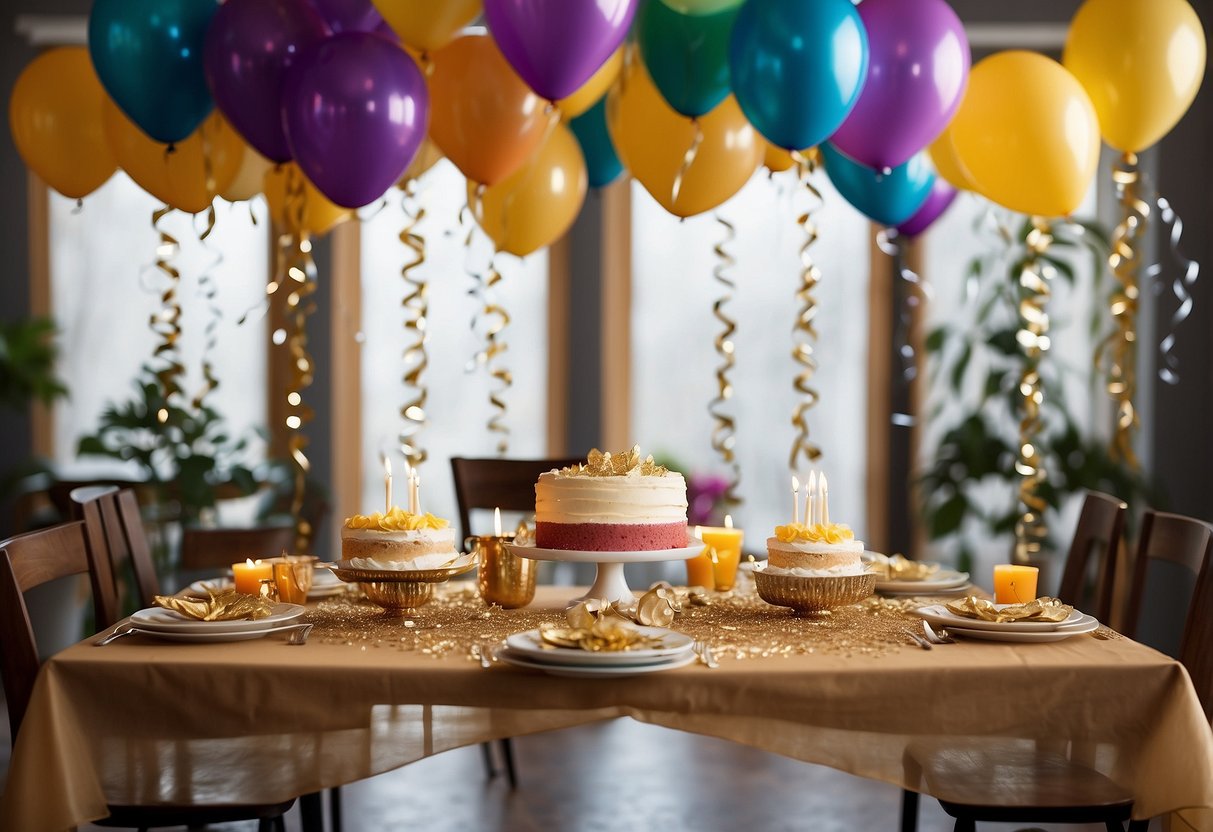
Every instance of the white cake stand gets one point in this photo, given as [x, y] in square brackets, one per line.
[610, 583]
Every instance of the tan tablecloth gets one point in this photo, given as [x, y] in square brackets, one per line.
[141, 721]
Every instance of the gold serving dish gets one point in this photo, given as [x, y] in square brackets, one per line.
[813, 596]
[401, 592]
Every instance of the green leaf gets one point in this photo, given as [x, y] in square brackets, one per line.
[962, 364]
[947, 518]
[936, 338]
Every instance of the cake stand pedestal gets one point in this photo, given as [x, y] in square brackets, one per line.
[610, 583]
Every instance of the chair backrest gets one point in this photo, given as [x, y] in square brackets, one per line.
[1094, 549]
[115, 529]
[508, 484]
[219, 548]
[1171, 552]
[27, 561]
[60, 492]
[1197, 651]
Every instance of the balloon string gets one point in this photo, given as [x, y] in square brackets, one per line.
[918, 292]
[688, 159]
[493, 318]
[166, 323]
[804, 334]
[206, 281]
[1033, 337]
[724, 432]
[416, 321]
[1169, 366]
[299, 278]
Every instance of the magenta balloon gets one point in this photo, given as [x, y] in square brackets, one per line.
[918, 66]
[938, 200]
[249, 48]
[556, 45]
[355, 108]
[348, 15]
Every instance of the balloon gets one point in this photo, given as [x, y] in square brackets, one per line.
[178, 178]
[941, 197]
[687, 55]
[427, 156]
[55, 116]
[251, 46]
[319, 214]
[427, 24]
[948, 164]
[1027, 134]
[776, 159]
[797, 67]
[652, 140]
[534, 206]
[701, 6]
[601, 161]
[556, 45]
[484, 118]
[885, 198]
[355, 109]
[148, 55]
[348, 15]
[250, 177]
[1141, 61]
[593, 90]
[918, 62]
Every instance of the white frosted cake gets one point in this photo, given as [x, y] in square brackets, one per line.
[818, 550]
[397, 540]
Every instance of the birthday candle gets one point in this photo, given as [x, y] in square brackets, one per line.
[795, 498]
[825, 500]
[810, 501]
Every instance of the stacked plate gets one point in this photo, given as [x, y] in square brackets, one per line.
[324, 585]
[173, 626]
[527, 650]
[943, 582]
[1021, 631]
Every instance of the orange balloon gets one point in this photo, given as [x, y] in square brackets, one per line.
[652, 140]
[483, 117]
[55, 116]
[427, 156]
[777, 159]
[534, 206]
[320, 216]
[426, 25]
[249, 179]
[179, 178]
[587, 94]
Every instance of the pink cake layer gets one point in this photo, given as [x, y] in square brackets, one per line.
[611, 537]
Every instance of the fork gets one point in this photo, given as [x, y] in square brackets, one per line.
[704, 651]
[940, 636]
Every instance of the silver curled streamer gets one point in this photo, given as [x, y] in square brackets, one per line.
[920, 291]
[1168, 369]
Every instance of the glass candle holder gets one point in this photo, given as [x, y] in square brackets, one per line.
[293, 577]
[716, 567]
[504, 578]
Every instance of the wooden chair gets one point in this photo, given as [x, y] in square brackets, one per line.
[219, 548]
[33, 559]
[114, 527]
[1196, 653]
[1171, 552]
[1094, 548]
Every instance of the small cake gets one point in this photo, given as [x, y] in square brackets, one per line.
[397, 540]
[611, 503]
[815, 550]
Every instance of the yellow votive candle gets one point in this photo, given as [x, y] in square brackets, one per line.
[250, 574]
[1014, 584]
[725, 543]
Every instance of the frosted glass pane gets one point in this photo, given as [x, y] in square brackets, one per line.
[104, 288]
[458, 406]
[674, 360]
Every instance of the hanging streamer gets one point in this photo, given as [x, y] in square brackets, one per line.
[299, 279]
[804, 333]
[493, 319]
[724, 432]
[1168, 369]
[206, 280]
[919, 292]
[166, 323]
[1033, 336]
[688, 159]
[416, 321]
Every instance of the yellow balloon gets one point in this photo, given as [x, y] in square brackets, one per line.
[534, 206]
[652, 140]
[426, 25]
[947, 163]
[1141, 61]
[319, 214]
[427, 156]
[180, 178]
[777, 159]
[587, 94]
[1027, 135]
[55, 116]
[249, 179]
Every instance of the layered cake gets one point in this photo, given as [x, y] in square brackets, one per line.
[814, 550]
[611, 503]
[397, 540]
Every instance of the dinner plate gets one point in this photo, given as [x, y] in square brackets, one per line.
[1087, 624]
[939, 614]
[944, 580]
[206, 638]
[527, 645]
[169, 621]
[507, 656]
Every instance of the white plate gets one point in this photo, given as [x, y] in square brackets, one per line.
[694, 548]
[596, 671]
[939, 614]
[945, 579]
[1088, 624]
[168, 621]
[527, 645]
[207, 638]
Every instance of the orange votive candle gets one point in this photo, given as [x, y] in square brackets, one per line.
[250, 574]
[1014, 584]
[725, 542]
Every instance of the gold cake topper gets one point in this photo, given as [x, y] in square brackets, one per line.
[621, 464]
[814, 533]
[396, 520]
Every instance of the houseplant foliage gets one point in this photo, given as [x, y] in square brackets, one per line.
[27, 363]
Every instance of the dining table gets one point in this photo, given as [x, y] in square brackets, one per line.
[144, 721]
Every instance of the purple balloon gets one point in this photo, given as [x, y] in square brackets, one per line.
[348, 15]
[917, 70]
[355, 108]
[937, 202]
[556, 45]
[249, 48]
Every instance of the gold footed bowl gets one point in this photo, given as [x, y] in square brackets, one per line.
[813, 596]
[402, 592]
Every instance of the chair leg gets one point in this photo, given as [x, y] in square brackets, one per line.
[311, 812]
[1113, 826]
[909, 811]
[507, 754]
[965, 825]
[486, 752]
[335, 809]
[265, 825]
[1139, 826]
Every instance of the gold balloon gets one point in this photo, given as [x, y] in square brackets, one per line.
[588, 93]
[653, 141]
[249, 179]
[426, 25]
[427, 156]
[1027, 134]
[1141, 61]
[177, 178]
[55, 116]
[776, 159]
[534, 206]
[319, 214]
[947, 163]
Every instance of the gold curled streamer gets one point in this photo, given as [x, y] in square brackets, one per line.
[688, 159]
[494, 319]
[299, 278]
[1033, 336]
[889, 243]
[724, 432]
[166, 323]
[206, 280]
[804, 334]
[416, 320]
[1169, 365]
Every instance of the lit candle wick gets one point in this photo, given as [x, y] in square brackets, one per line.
[497, 521]
[825, 501]
[795, 499]
[387, 484]
[728, 521]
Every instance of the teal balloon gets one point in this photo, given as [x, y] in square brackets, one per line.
[889, 198]
[797, 67]
[687, 55]
[148, 55]
[601, 162]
